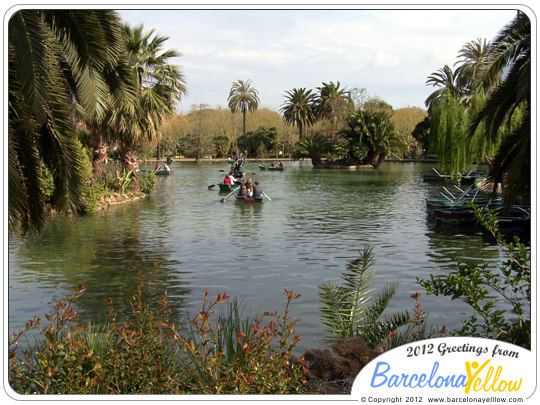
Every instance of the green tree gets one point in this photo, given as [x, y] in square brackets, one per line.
[445, 79]
[312, 146]
[372, 136]
[333, 104]
[508, 106]
[472, 56]
[298, 109]
[55, 57]
[243, 98]
[160, 86]
[221, 142]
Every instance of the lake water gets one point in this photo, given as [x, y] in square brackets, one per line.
[182, 240]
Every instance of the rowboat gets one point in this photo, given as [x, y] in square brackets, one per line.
[248, 200]
[243, 200]
[162, 172]
[514, 220]
[465, 179]
[226, 187]
[271, 168]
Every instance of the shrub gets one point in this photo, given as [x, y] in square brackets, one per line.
[147, 354]
[348, 309]
[484, 290]
[147, 182]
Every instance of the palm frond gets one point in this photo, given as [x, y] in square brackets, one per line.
[349, 310]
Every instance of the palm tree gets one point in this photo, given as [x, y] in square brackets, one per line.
[372, 137]
[509, 106]
[333, 102]
[445, 79]
[472, 56]
[160, 86]
[299, 109]
[243, 98]
[56, 57]
[312, 146]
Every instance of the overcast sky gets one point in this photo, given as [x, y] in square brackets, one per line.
[388, 52]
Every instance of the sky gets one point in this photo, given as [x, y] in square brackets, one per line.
[388, 52]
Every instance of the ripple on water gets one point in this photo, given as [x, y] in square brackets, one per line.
[181, 239]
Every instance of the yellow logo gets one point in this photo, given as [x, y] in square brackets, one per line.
[488, 381]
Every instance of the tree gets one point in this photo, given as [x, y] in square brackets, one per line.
[421, 133]
[333, 104]
[298, 109]
[472, 56]
[445, 80]
[56, 57]
[221, 142]
[508, 106]
[372, 136]
[243, 97]
[160, 86]
[405, 120]
[312, 146]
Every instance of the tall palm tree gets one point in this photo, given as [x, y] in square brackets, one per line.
[298, 109]
[445, 79]
[333, 102]
[56, 57]
[471, 58]
[159, 85]
[243, 97]
[509, 106]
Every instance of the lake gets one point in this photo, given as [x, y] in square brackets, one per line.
[183, 240]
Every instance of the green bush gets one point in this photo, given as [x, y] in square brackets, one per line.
[484, 290]
[349, 310]
[147, 182]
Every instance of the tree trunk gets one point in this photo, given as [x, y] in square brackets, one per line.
[130, 162]
[374, 159]
[99, 158]
[244, 113]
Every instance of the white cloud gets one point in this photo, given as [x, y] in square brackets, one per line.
[388, 52]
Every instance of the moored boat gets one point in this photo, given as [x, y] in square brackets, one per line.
[514, 220]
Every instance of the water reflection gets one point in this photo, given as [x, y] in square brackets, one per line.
[183, 240]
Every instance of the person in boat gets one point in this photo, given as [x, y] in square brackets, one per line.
[169, 160]
[239, 177]
[229, 179]
[166, 167]
[158, 167]
[241, 167]
[243, 191]
[257, 191]
[249, 187]
[280, 164]
[273, 164]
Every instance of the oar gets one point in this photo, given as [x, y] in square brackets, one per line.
[210, 186]
[266, 196]
[228, 195]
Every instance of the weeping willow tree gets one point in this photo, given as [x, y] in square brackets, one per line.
[456, 148]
